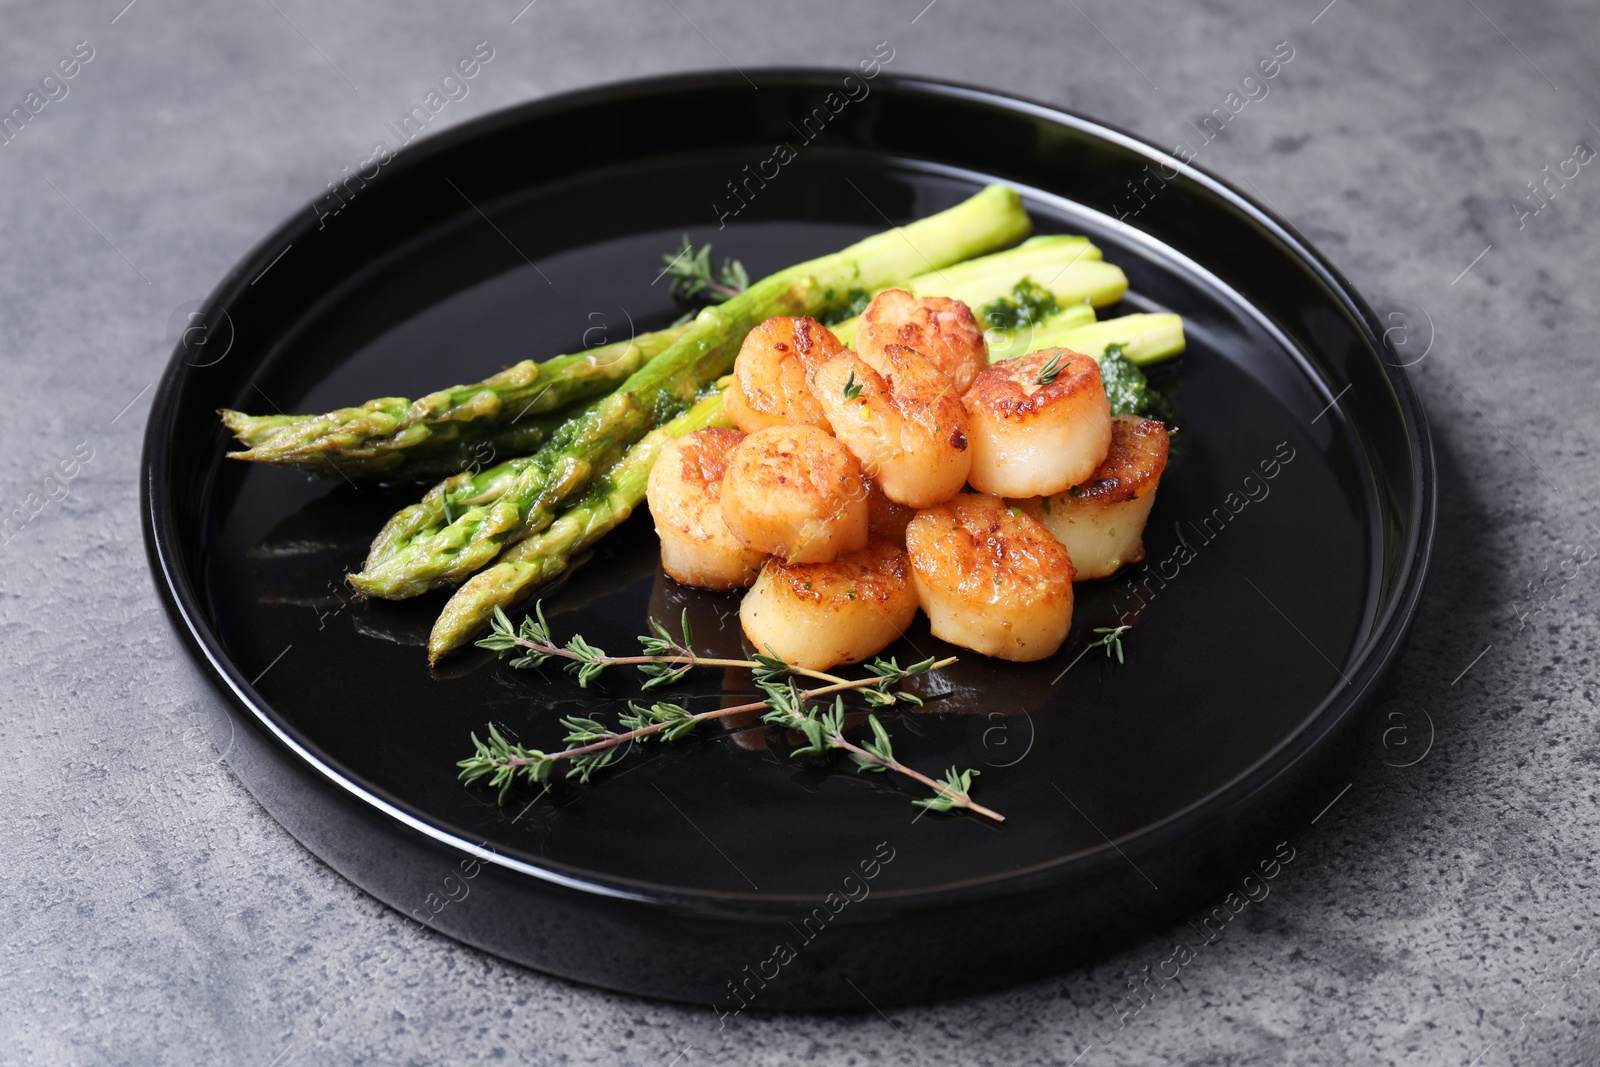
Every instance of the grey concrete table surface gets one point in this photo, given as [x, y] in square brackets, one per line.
[1443, 912]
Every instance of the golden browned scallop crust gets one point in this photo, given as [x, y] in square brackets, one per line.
[906, 425]
[1032, 437]
[685, 497]
[795, 492]
[1101, 522]
[943, 330]
[818, 615]
[771, 376]
[1011, 390]
[1134, 463]
[703, 457]
[991, 578]
[878, 574]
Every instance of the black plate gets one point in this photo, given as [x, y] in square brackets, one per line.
[1130, 791]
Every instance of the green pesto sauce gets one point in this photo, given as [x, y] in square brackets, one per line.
[1128, 389]
[1030, 304]
[849, 306]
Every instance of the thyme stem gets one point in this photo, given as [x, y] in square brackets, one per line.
[843, 685]
[960, 800]
[686, 659]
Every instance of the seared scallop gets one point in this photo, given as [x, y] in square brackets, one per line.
[907, 426]
[991, 578]
[1040, 423]
[771, 377]
[1101, 522]
[685, 495]
[795, 492]
[945, 331]
[818, 615]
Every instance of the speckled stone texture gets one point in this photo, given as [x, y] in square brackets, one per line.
[1443, 912]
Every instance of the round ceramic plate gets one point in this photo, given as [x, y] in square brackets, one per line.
[1284, 557]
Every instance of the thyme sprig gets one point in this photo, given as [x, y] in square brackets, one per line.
[592, 745]
[1051, 370]
[823, 729]
[1110, 640]
[694, 277]
[666, 659]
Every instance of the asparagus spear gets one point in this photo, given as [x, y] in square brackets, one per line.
[1145, 338]
[442, 455]
[532, 562]
[1067, 271]
[1037, 255]
[1020, 340]
[460, 427]
[425, 435]
[459, 492]
[411, 562]
[1087, 281]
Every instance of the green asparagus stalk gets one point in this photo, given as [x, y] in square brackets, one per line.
[1020, 340]
[1038, 256]
[1070, 271]
[475, 448]
[1145, 338]
[1087, 281]
[414, 562]
[475, 487]
[465, 426]
[421, 436]
[533, 562]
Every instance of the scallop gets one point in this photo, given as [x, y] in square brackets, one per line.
[685, 496]
[795, 492]
[1101, 522]
[819, 615]
[991, 578]
[907, 427]
[944, 330]
[771, 376]
[1039, 424]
